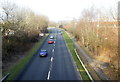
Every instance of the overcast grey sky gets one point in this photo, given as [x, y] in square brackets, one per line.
[58, 10]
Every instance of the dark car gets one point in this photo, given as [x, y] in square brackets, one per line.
[43, 53]
[50, 41]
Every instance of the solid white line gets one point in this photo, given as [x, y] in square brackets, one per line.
[53, 50]
[51, 59]
[84, 66]
[48, 77]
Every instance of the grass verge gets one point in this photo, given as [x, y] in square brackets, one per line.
[78, 63]
[17, 68]
[88, 66]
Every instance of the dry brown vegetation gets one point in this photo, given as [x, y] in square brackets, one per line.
[20, 30]
[99, 36]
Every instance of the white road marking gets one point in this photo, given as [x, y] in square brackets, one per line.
[48, 77]
[50, 68]
[54, 44]
[53, 50]
[51, 59]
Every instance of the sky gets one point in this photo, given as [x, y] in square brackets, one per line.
[60, 10]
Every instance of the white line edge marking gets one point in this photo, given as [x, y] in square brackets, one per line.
[72, 56]
[81, 61]
[48, 77]
[84, 66]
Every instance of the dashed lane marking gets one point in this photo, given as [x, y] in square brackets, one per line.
[53, 50]
[51, 59]
[48, 77]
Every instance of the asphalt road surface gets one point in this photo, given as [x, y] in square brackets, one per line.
[58, 65]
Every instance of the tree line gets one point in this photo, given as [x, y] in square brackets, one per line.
[97, 32]
[20, 28]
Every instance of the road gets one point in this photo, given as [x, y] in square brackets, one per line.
[58, 65]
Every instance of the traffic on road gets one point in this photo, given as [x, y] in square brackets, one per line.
[53, 62]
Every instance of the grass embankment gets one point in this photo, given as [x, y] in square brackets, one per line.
[17, 68]
[78, 63]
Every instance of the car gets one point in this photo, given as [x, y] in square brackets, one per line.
[51, 41]
[51, 37]
[43, 53]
